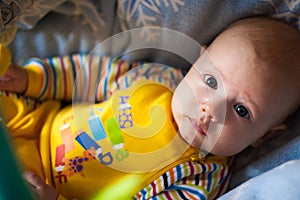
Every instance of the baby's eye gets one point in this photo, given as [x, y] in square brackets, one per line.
[242, 111]
[211, 82]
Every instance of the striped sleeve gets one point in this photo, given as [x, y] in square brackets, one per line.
[163, 74]
[73, 77]
[190, 180]
[81, 77]
[76, 77]
[62, 78]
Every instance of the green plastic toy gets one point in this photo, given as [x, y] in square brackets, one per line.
[12, 185]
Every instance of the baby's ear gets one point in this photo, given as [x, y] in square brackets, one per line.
[275, 131]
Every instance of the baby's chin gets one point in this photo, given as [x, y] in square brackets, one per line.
[189, 135]
[217, 151]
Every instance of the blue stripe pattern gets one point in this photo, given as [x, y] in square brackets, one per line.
[52, 68]
[41, 64]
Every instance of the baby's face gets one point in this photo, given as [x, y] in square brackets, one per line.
[229, 103]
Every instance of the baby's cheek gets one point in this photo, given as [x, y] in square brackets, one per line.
[227, 145]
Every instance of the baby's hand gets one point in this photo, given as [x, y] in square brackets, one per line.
[39, 187]
[14, 80]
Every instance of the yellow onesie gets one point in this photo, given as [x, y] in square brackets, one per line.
[126, 146]
[132, 136]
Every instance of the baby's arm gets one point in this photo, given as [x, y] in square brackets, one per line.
[73, 77]
[54, 77]
[81, 77]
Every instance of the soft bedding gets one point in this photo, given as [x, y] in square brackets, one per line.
[59, 33]
[276, 184]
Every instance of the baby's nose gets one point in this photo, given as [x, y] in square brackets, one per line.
[205, 114]
[204, 108]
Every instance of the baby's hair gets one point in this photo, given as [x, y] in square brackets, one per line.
[272, 39]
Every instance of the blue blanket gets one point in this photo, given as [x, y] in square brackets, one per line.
[58, 32]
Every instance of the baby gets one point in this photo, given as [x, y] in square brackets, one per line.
[256, 63]
[238, 91]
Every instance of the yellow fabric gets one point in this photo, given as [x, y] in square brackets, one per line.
[34, 87]
[5, 59]
[53, 143]
[60, 197]
[151, 144]
[24, 126]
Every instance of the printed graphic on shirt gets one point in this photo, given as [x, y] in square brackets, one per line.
[67, 167]
[96, 126]
[59, 158]
[94, 148]
[114, 133]
[125, 114]
[133, 132]
[75, 165]
[67, 137]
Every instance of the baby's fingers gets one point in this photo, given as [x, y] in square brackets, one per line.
[14, 80]
[34, 180]
[39, 187]
[5, 83]
[5, 78]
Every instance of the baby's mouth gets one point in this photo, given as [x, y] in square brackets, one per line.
[197, 126]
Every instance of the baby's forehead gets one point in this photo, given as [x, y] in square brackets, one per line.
[274, 50]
